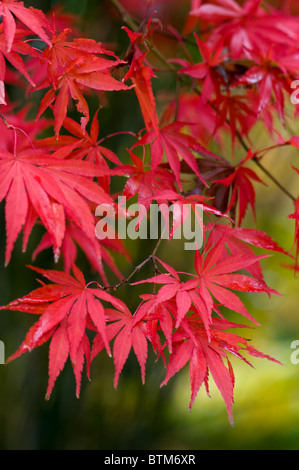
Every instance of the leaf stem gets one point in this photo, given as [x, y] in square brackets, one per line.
[15, 129]
[109, 136]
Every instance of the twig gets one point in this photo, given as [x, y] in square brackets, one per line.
[151, 258]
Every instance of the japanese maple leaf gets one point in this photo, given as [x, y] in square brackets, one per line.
[12, 54]
[67, 307]
[141, 74]
[82, 145]
[53, 188]
[88, 144]
[206, 356]
[270, 80]
[237, 110]
[228, 9]
[238, 239]
[206, 70]
[216, 270]
[159, 317]
[76, 76]
[127, 334]
[286, 59]
[176, 145]
[188, 107]
[36, 22]
[217, 277]
[143, 182]
[62, 19]
[240, 180]
[74, 67]
[62, 52]
[174, 288]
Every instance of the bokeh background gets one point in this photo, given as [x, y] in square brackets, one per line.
[136, 416]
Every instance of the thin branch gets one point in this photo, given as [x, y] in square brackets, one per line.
[151, 258]
[125, 16]
[273, 179]
[177, 98]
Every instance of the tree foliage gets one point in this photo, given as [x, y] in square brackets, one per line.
[233, 64]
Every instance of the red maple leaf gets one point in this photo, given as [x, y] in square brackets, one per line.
[35, 21]
[217, 271]
[12, 54]
[242, 189]
[176, 145]
[217, 277]
[206, 70]
[141, 74]
[209, 356]
[189, 342]
[67, 307]
[127, 334]
[143, 182]
[81, 145]
[270, 80]
[172, 288]
[159, 317]
[237, 110]
[238, 239]
[36, 185]
[72, 67]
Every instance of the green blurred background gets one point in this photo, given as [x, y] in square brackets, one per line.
[136, 416]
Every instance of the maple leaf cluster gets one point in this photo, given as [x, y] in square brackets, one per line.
[234, 63]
